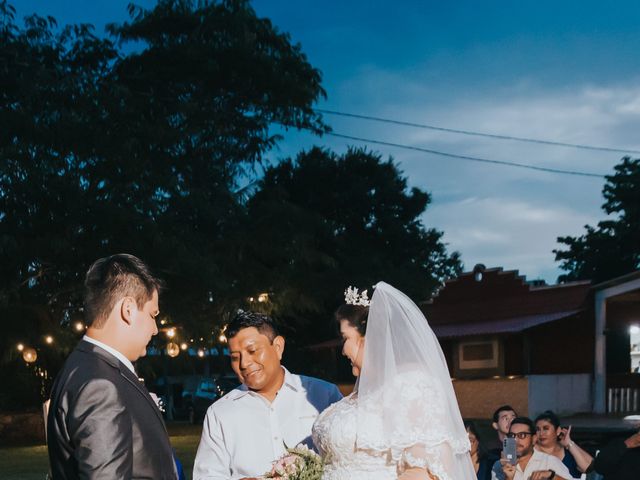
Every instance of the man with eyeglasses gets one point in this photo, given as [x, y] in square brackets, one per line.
[531, 464]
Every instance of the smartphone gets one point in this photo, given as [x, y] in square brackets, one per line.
[509, 450]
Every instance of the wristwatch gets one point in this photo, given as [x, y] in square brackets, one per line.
[553, 474]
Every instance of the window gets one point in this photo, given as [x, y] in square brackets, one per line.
[478, 358]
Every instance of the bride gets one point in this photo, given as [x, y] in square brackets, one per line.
[402, 420]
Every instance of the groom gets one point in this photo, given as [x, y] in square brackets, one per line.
[247, 429]
[102, 422]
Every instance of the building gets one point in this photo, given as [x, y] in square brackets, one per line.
[564, 347]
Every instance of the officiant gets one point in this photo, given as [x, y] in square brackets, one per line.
[249, 428]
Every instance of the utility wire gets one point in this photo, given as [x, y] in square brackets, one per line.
[476, 134]
[465, 157]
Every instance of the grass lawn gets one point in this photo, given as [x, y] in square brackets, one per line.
[32, 463]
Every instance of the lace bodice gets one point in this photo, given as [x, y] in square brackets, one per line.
[420, 438]
[334, 434]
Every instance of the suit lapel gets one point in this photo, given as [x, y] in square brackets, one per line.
[131, 378]
[124, 371]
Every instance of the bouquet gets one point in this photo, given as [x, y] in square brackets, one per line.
[299, 463]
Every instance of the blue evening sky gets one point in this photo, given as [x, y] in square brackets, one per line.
[555, 70]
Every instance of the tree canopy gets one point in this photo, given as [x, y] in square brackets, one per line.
[612, 248]
[106, 149]
[103, 151]
[323, 221]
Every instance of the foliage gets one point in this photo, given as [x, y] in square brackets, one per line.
[103, 151]
[613, 247]
[323, 222]
[143, 149]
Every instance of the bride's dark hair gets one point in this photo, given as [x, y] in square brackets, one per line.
[356, 315]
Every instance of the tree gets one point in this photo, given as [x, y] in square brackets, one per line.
[326, 221]
[103, 151]
[613, 247]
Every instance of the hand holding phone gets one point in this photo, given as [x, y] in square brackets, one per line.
[509, 450]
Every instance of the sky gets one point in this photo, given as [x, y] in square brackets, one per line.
[560, 71]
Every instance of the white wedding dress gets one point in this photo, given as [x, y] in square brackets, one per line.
[404, 412]
[335, 435]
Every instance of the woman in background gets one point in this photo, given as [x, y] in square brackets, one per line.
[556, 440]
[479, 456]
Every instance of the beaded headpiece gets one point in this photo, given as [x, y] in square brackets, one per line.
[352, 297]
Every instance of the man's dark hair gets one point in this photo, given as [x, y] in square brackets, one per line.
[524, 421]
[263, 323]
[503, 408]
[111, 278]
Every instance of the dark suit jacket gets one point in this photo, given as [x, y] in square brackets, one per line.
[103, 424]
[617, 462]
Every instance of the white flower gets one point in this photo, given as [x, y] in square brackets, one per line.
[159, 402]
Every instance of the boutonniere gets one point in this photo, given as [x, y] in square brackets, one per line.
[158, 401]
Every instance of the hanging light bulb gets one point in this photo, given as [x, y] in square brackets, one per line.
[48, 339]
[79, 326]
[29, 355]
[173, 349]
[184, 346]
[171, 333]
[20, 347]
[200, 352]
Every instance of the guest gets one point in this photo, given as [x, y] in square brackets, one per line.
[531, 464]
[502, 418]
[620, 459]
[482, 461]
[555, 440]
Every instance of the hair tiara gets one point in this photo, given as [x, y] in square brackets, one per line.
[352, 297]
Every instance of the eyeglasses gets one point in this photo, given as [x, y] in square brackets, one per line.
[519, 435]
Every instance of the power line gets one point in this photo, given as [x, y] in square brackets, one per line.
[476, 134]
[465, 157]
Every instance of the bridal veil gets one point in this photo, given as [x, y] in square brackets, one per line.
[405, 386]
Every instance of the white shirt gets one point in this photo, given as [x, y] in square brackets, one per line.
[539, 461]
[243, 433]
[112, 351]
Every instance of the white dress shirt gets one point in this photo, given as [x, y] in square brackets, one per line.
[539, 461]
[112, 351]
[243, 433]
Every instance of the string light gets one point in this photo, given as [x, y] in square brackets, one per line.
[171, 333]
[184, 346]
[20, 347]
[29, 355]
[79, 326]
[172, 349]
[223, 337]
[200, 352]
[48, 339]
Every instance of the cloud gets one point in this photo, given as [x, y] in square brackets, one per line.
[506, 232]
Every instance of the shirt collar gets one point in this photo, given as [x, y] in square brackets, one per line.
[127, 363]
[291, 381]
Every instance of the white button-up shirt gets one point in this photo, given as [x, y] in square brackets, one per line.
[243, 434]
[539, 461]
